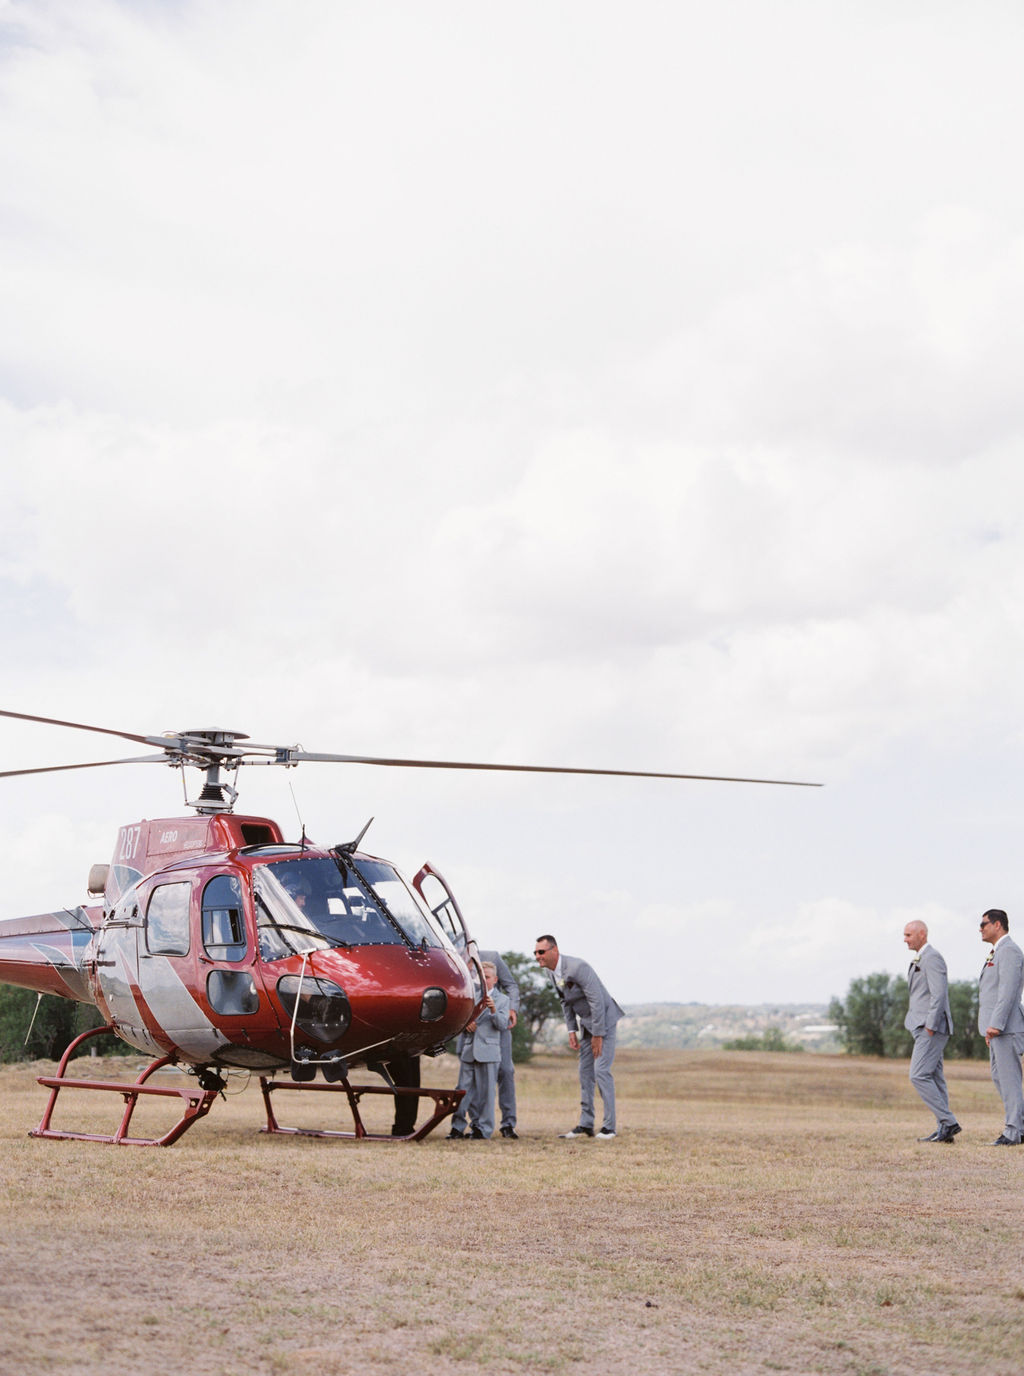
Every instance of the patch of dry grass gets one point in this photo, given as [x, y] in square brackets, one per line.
[758, 1213]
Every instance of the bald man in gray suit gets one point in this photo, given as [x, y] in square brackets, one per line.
[1001, 1020]
[930, 1022]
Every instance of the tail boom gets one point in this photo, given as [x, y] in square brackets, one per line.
[47, 952]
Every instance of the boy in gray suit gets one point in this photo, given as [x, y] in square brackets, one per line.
[480, 1053]
[506, 1069]
[1001, 1020]
[930, 1021]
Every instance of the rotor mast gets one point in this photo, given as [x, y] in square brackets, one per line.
[212, 750]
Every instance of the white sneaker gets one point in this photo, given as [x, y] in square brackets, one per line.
[605, 1135]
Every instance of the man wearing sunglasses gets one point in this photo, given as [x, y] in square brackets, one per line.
[1001, 1020]
[591, 1015]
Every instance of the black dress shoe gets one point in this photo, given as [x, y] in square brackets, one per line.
[1003, 1141]
[932, 1137]
[476, 1134]
[947, 1132]
[509, 1131]
[456, 1134]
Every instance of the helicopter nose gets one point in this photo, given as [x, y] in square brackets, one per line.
[408, 991]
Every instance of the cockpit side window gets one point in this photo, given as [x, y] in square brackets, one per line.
[223, 921]
[167, 920]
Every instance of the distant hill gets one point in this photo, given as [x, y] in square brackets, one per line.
[709, 1025]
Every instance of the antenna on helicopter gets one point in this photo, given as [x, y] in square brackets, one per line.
[302, 824]
[347, 847]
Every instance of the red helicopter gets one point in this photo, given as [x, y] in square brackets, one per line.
[217, 945]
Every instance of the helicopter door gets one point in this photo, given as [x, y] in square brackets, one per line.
[117, 969]
[166, 963]
[192, 950]
[230, 987]
[438, 897]
[124, 970]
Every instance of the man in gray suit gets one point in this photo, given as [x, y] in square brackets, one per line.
[1001, 1020]
[930, 1021]
[591, 1015]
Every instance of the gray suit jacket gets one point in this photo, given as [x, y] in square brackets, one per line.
[929, 993]
[585, 1000]
[484, 1043]
[1000, 987]
[506, 980]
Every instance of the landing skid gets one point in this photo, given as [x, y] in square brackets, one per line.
[446, 1101]
[196, 1102]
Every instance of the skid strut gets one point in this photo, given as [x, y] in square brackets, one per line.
[446, 1101]
[196, 1102]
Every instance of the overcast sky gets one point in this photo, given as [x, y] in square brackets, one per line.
[630, 386]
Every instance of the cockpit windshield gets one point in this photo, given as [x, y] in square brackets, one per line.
[402, 903]
[310, 904]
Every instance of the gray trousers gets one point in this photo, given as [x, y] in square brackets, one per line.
[599, 1071]
[507, 1082]
[466, 1084]
[926, 1074]
[479, 1101]
[1004, 1055]
[506, 1087]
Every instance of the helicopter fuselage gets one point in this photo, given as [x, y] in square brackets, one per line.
[222, 945]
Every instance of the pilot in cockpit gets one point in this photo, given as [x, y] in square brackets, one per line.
[301, 891]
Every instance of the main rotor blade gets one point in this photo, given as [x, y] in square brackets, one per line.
[92, 764]
[295, 756]
[81, 726]
[192, 748]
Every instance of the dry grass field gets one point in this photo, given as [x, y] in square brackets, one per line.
[759, 1213]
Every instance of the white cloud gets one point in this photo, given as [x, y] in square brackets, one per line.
[534, 387]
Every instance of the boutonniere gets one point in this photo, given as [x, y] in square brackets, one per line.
[915, 959]
[991, 960]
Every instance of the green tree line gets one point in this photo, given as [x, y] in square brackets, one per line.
[870, 1018]
[771, 1039]
[34, 1028]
